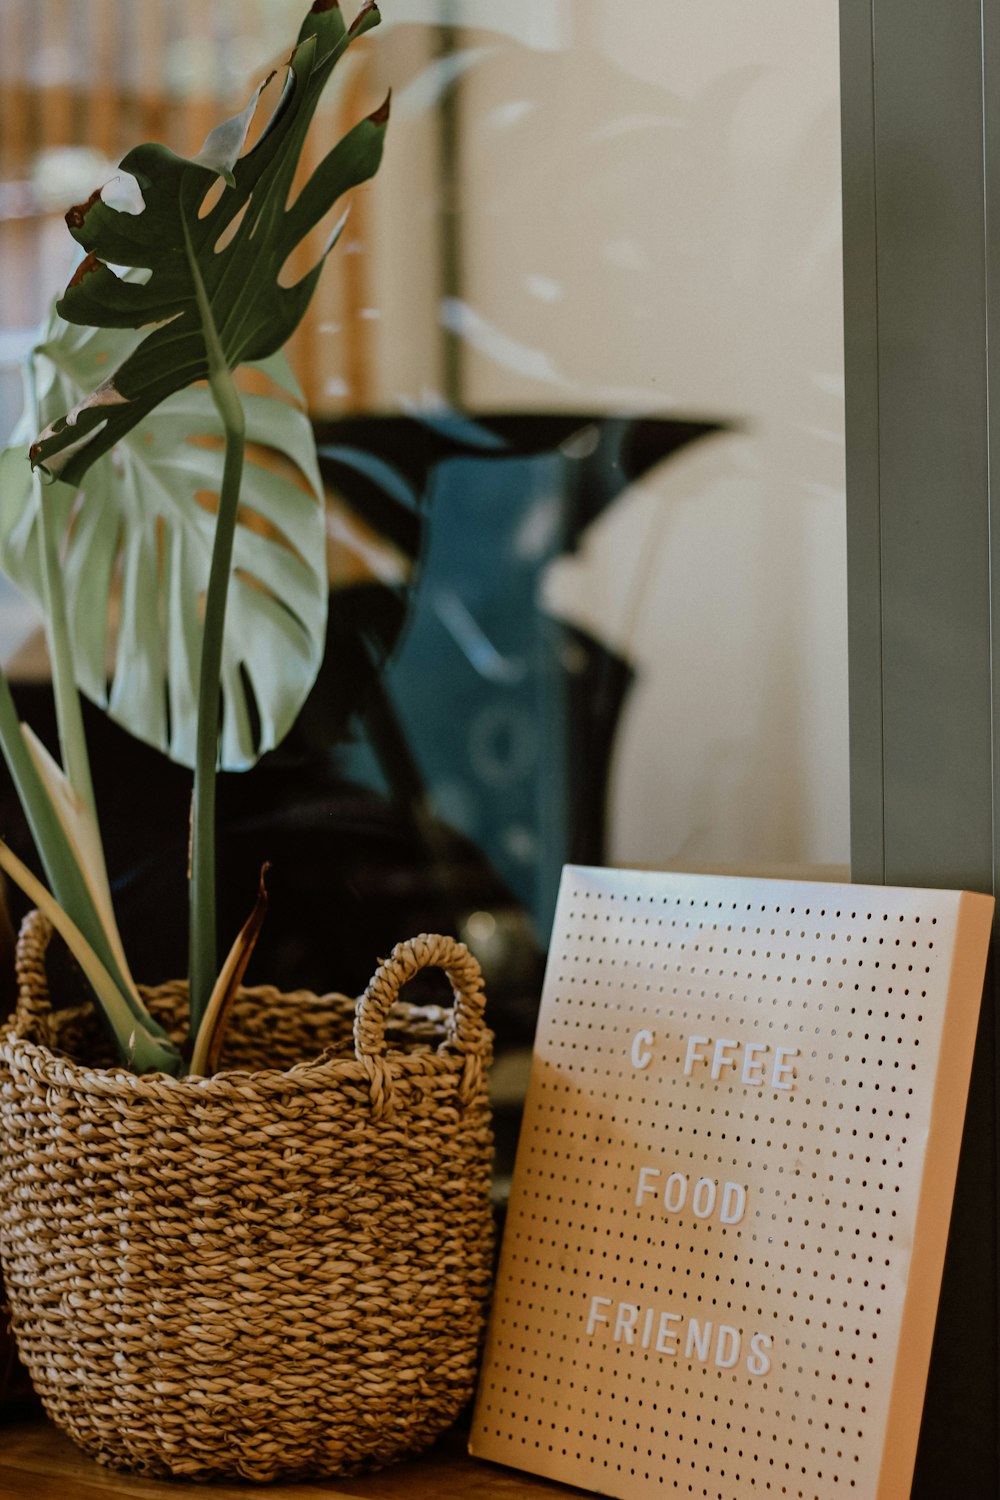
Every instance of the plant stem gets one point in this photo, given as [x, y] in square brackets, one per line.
[69, 718]
[201, 894]
[65, 880]
[62, 870]
[142, 1048]
[70, 881]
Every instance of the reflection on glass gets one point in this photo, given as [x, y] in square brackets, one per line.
[576, 374]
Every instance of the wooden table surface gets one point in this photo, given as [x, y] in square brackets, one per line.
[38, 1463]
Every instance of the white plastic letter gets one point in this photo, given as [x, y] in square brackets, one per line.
[666, 1338]
[783, 1076]
[753, 1068]
[693, 1054]
[628, 1317]
[758, 1361]
[703, 1198]
[597, 1313]
[675, 1192]
[721, 1058]
[727, 1348]
[648, 1181]
[734, 1203]
[698, 1339]
[642, 1044]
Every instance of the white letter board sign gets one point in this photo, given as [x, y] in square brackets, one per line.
[728, 1217]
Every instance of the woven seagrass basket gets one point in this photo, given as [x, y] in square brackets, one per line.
[279, 1270]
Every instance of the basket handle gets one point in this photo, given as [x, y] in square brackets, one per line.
[33, 1009]
[466, 1033]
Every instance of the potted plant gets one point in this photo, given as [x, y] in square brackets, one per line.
[279, 1268]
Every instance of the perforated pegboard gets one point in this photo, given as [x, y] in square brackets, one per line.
[723, 1249]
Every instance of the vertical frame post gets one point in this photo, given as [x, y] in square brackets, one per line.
[921, 151]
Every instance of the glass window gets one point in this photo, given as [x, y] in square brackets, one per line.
[575, 369]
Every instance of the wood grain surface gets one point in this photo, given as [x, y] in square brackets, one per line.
[38, 1463]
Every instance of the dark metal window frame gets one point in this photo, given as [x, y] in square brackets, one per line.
[921, 158]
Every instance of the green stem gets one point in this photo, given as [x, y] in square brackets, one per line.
[62, 870]
[69, 718]
[66, 878]
[202, 879]
[141, 1048]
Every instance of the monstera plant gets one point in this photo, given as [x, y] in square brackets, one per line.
[155, 482]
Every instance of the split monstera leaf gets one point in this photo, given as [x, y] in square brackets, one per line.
[140, 475]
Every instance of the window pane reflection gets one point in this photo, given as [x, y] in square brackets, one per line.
[576, 373]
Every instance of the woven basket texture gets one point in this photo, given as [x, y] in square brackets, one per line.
[281, 1270]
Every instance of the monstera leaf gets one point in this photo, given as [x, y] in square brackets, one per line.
[225, 255]
[136, 545]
